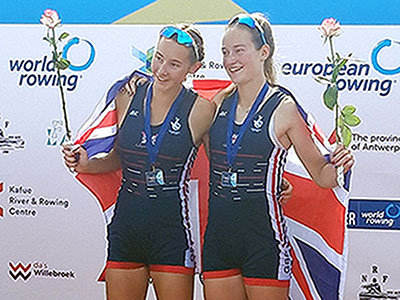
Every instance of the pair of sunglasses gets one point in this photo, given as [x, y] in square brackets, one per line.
[249, 22]
[182, 37]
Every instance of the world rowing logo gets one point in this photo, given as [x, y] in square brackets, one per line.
[72, 43]
[384, 46]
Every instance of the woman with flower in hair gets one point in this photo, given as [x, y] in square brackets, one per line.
[246, 252]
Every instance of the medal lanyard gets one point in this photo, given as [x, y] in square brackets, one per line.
[233, 147]
[154, 147]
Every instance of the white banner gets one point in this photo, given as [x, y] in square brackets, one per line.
[53, 229]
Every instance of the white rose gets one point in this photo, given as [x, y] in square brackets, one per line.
[330, 27]
[50, 18]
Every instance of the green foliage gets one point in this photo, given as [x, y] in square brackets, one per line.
[348, 110]
[352, 120]
[59, 62]
[344, 118]
[330, 96]
[346, 135]
[63, 36]
[322, 80]
[349, 117]
[63, 63]
[47, 39]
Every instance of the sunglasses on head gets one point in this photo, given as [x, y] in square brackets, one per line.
[182, 37]
[249, 22]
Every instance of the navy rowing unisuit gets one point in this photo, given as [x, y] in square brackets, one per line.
[246, 232]
[151, 224]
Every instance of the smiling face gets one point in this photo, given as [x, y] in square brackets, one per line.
[171, 63]
[242, 61]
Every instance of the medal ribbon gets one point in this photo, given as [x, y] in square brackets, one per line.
[232, 148]
[153, 148]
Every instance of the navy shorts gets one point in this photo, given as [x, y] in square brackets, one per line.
[241, 239]
[149, 232]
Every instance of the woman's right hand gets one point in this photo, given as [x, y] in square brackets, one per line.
[75, 157]
[342, 157]
[222, 94]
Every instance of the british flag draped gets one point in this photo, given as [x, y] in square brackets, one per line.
[316, 217]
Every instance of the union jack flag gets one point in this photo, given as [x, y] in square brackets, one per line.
[97, 135]
[316, 217]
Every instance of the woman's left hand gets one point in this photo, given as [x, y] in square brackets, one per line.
[130, 87]
[342, 157]
[286, 191]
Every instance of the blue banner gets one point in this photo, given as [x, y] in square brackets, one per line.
[373, 214]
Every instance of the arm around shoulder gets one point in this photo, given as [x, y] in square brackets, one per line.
[201, 118]
[219, 98]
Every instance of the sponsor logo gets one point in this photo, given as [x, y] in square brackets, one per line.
[372, 286]
[73, 44]
[379, 143]
[154, 138]
[355, 76]
[20, 270]
[257, 124]
[373, 214]
[38, 270]
[175, 126]
[223, 113]
[212, 65]
[40, 72]
[10, 142]
[23, 202]
[134, 113]
[55, 134]
[144, 57]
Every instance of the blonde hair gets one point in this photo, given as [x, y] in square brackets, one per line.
[269, 65]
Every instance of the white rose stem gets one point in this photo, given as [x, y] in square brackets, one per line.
[69, 142]
[340, 169]
[340, 176]
[63, 102]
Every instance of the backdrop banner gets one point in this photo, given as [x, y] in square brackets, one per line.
[53, 228]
